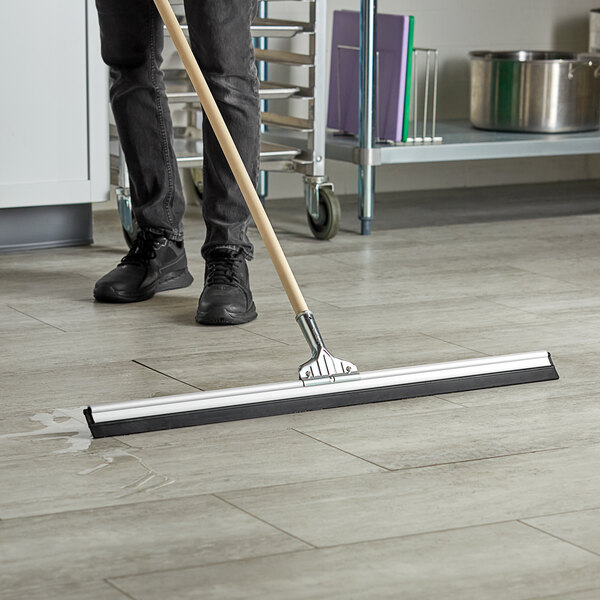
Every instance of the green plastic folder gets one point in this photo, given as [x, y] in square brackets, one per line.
[408, 87]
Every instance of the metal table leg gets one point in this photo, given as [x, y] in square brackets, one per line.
[366, 106]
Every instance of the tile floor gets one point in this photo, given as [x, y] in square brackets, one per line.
[486, 494]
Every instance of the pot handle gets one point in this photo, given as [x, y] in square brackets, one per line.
[588, 63]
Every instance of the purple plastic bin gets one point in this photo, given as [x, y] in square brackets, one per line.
[392, 49]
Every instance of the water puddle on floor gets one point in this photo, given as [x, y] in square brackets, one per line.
[65, 425]
[149, 481]
[60, 424]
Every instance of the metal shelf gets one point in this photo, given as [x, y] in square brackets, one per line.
[278, 28]
[180, 89]
[189, 153]
[461, 141]
[287, 122]
[270, 28]
[280, 57]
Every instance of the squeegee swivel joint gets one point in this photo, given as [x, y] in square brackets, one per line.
[323, 367]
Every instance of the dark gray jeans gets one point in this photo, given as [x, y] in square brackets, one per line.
[132, 43]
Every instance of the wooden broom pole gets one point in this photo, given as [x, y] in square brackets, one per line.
[211, 110]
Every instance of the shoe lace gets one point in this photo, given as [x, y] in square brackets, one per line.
[224, 270]
[142, 249]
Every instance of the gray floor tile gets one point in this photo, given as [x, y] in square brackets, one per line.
[494, 562]
[406, 441]
[72, 590]
[273, 363]
[43, 390]
[58, 284]
[55, 349]
[419, 258]
[420, 500]
[579, 372]
[104, 474]
[372, 290]
[580, 304]
[112, 472]
[14, 322]
[553, 336]
[581, 271]
[447, 275]
[580, 528]
[216, 463]
[79, 546]
[402, 318]
[591, 594]
[79, 315]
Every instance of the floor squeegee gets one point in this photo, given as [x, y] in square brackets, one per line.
[324, 381]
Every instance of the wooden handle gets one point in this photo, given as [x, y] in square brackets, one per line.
[211, 110]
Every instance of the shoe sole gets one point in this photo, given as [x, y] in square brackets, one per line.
[220, 316]
[172, 281]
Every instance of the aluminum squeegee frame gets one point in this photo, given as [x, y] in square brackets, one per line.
[201, 408]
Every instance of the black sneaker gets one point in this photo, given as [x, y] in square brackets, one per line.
[226, 298]
[154, 264]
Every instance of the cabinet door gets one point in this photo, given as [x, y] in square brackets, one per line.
[43, 103]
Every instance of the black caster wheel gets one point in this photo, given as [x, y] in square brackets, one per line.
[330, 213]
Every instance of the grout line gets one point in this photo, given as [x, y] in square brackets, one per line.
[35, 318]
[577, 285]
[341, 450]
[433, 337]
[558, 538]
[115, 587]
[416, 534]
[216, 495]
[451, 401]
[324, 302]
[527, 312]
[470, 460]
[561, 595]
[446, 530]
[214, 564]
[141, 364]
[264, 336]
[562, 512]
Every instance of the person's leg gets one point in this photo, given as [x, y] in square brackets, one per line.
[131, 45]
[222, 44]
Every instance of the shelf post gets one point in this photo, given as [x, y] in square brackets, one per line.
[366, 109]
[263, 74]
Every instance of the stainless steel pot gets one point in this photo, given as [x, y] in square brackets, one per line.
[547, 92]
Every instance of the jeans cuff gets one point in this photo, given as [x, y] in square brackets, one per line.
[248, 254]
[176, 236]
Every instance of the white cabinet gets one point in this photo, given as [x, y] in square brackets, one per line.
[53, 106]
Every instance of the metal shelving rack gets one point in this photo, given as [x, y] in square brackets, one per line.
[288, 144]
[460, 140]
